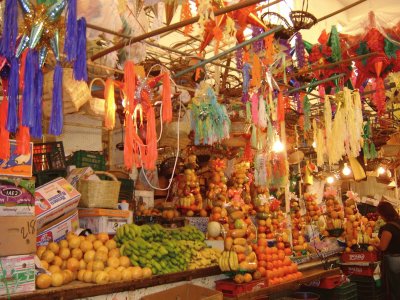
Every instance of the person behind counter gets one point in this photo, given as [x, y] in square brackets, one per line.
[389, 244]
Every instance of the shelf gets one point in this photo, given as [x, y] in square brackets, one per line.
[76, 289]
[308, 276]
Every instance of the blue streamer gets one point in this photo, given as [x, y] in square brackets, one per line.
[10, 29]
[80, 68]
[71, 32]
[56, 118]
[29, 93]
[13, 84]
[36, 129]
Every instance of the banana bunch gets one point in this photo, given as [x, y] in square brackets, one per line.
[228, 261]
[337, 223]
[363, 238]
[127, 232]
[204, 258]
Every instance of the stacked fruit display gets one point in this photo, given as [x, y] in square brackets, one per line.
[313, 211]
[217, 190]
[358, 229]
[274, 263]
[239, 191]
[94, 258]
[205, 258]
[162, 250]
[334, 213]
[299, 243]
[238, 255]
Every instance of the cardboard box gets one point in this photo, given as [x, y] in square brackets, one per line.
[102, 220]
[17, 235]
[55, 199]
[19, 274]
[78, 173]
[58, 229]
[17, 165]
[16, 197]
[186, 292]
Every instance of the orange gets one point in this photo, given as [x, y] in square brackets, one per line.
[247, 277]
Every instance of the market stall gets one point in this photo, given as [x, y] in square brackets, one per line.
[239, 152]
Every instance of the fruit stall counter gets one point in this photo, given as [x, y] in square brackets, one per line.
[78, 290]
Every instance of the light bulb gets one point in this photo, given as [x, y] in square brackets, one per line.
[330, 179]
[277, 146]
[381, 170]
[123, 102]
[314, 144]
[346, 171]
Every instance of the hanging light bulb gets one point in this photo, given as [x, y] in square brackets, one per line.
[314, 144]
[381, 170]
[330, 179]
[346, 171]
[278, 146]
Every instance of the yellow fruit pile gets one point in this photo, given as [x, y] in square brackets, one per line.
[94, 258]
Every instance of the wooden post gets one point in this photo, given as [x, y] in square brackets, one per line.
[193, 20]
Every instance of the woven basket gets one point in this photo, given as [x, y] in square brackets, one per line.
[95, 106]
[99, 193]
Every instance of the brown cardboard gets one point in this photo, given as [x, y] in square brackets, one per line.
[186, 292]
[18, 235]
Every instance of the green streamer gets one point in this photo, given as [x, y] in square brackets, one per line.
[390, 49]
[334, 43]
[361, 50]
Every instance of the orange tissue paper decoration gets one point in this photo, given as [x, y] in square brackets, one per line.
[186, 14]
[281, 107]
[167, 104]
[256, 72]
[109, 96]
[151, 141]
[129, 87]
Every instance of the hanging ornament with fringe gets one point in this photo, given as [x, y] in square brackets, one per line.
[71, 32]
[4, 133]
[110, 108]
[10, 29]
[166, 98]
[13, 87]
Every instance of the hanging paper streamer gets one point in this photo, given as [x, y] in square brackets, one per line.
[151, 140]
[4, 134]
[256, 72]
[130, 88]
[110, 109]
[71, 32]
[334, 42]
[10, 29]
[246, 82]
[262, 113]
[36, 129]
[253, 138]
[13, 86]
[307, 114]
[260, 170]
[239, 58]
[257, 46]
[29, 85]
[56, 118]
[167, 104]
[218, 35]
[248, 112]
[299, 50]
[281, 108]
[254, 108]
[80, 67]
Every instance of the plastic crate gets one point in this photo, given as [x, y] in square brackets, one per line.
[367, 287]
[359, 257]
[82, 158]
[126, 190]
[232, 289]
[47, 176]
[347, 291]
[358, 270]
[48, 157]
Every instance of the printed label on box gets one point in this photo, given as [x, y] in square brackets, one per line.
[16, 197]
[19, 273]
[17, 165]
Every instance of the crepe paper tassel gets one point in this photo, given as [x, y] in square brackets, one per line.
[71, 32]
[307, 114]
[130, 85]
[56, 118]
[13, 85]
[254, 108]
[379, 96]
[253, 138]
[151, 140]
[10, 29]
[80, 67]
[23, 136]
[248, 112]
[256, 72]
[299, 50]
[128, 142]
[281, 108]
[246, 81]
[257, 46]
[4, 134]
[239, 58]
[372, 151]
[166, 99]
[218, 35]
[366, 152]
[334, 42]
[110, 108]
[29, 92]
[186, 14]
[36, 129]
[262, 114]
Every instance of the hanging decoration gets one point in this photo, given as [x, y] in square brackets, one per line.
[210, 120]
